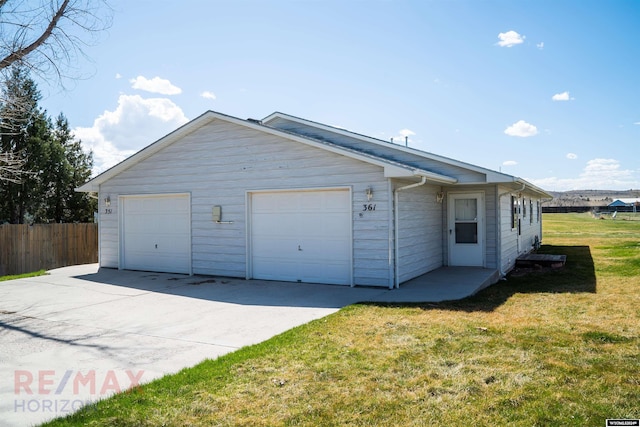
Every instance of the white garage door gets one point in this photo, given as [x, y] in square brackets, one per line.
[156, 233]
[302, 236]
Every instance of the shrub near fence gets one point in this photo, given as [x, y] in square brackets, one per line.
[25, 248]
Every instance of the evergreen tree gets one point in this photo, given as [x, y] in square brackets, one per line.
[72, 168]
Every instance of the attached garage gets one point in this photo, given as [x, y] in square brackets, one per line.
[156, 233]
[288, 199]
[301, 236]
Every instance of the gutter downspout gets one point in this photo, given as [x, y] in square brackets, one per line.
[391, 230]
[503, 274]
[396, 228]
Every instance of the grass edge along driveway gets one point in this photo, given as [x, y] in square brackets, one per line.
[556, 347]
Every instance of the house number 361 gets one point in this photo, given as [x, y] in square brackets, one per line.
[369, 207]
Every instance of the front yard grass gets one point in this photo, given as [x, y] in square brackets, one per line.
[23, 276]
[553, 347]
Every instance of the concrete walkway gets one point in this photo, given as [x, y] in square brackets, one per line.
[80, 334]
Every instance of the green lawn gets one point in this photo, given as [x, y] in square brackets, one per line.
[559, 347]
[23, 276]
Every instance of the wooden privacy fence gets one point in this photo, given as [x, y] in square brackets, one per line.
[25, 248]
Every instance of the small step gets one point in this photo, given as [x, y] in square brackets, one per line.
[543, 260]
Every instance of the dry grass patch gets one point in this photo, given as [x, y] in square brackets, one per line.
[555, 348]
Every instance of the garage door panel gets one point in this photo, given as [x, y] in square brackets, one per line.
[302, 236]
[156, 233]
[272, 224]
[325, 247]
[280, 246]
[315, 272]
[287, 271]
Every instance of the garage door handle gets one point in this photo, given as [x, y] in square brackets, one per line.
[299, 248]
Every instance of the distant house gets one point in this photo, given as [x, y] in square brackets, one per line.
[289, 199]
[626, 205]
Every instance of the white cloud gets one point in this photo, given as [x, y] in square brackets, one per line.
[540, 45]
[134, 124]
[636, 123]
[509, 163]
[118, 76]
[572, 156]
[521, 129]
[510, 38]
[403, 134]
[564, 96]
[155, 85]
[208, 95]
[598, 174]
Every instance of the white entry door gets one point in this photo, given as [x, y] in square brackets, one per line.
[466, 229]
[156, 233]
[301, 236]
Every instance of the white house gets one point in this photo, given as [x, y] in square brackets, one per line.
[289, 199]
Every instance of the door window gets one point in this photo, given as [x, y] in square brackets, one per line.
[466, 224]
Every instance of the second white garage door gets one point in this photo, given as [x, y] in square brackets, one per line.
[302, 236]
[156, 233]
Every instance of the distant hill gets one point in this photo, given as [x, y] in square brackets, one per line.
[588, 197]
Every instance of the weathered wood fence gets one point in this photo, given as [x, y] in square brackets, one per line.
[25, 248]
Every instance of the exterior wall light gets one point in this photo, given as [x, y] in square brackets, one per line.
[107, 200]
[369, 193]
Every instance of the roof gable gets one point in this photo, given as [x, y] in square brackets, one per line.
[391, 168]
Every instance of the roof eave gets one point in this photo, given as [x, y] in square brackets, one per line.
[529, 186]
[490, 174]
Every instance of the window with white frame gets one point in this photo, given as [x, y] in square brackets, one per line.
[530, 211]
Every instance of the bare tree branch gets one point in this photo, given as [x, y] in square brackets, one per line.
[11, 168]
[47, 38]
[18, 54]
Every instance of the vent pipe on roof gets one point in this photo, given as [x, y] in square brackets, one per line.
[392, 140]
[406, 141]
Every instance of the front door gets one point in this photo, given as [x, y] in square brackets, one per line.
[466, 229]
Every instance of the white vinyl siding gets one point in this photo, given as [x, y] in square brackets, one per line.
[218, 163]
[513, 244]
[529, 229]
[419, 231]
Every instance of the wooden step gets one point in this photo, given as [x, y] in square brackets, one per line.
[544, 260]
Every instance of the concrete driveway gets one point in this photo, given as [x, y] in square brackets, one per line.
[80, 334]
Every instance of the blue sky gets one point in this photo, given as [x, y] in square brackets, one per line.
[545, 90]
